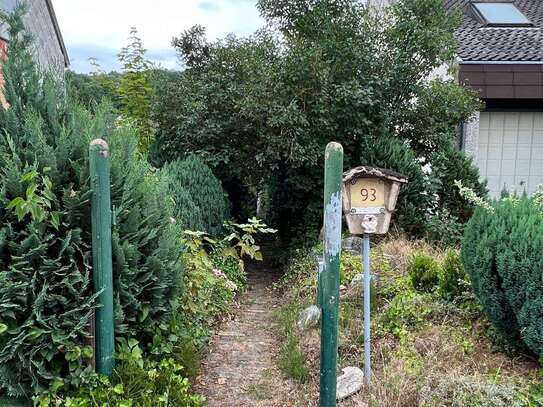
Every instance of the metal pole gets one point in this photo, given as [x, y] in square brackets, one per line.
[367, 309]
[333, 173]
[99, 159]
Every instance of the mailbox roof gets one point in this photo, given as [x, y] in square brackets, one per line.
[364, 171]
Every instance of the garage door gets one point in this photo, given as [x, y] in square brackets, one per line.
[510, 151]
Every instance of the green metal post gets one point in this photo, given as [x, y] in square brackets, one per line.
[101, 254]
[333, 173]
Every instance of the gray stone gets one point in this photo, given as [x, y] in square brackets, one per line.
[349, 383]
[309, 318]
[352, 244]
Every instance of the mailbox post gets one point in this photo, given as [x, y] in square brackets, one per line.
[369, 199]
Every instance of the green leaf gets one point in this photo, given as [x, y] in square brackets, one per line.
[29, 176]
[3, 328]
[15, 202]
[118, 389]
[56, 384]
[55, 219]
[87, 352]
[31, 190]
[35, 333]
[73, 354]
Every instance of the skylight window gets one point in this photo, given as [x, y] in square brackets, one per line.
[501, 14]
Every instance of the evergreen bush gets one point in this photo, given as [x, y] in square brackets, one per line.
[501, 252]
[394, 154]
[203, 188]
[423, 271]
[185, 210]
[46, 295]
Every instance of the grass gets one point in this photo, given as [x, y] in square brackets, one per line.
[426, 351]
[291, 360]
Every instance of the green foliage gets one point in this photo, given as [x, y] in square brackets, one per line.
[231, 266]
[451, 164]
[452, 277]
[137, 382]
[207, 291]
[423, 271]
[205, 190]
[187, 213]
[46, 296]
[135, 89]
[392, 153]
[500, 252]
[261, 109]
[292, 360]
[90, 90]
[242, 237]
[443, 229]
[406, 312]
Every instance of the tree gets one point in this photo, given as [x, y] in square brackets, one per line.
[92, 89]
[135, 89]
[261, 109]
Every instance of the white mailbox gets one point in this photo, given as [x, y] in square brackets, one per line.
[369, 198]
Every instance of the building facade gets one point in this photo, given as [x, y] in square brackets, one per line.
[501, 58]
[40, 20]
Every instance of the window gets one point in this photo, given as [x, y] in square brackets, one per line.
[501, 14]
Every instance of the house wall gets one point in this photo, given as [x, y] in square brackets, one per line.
[504, 81]
[47, 46]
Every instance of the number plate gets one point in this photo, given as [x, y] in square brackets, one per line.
[368, 193]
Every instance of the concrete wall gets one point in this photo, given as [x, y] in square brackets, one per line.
[38, 20]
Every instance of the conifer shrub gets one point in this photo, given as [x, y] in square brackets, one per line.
[423, 271]
[501, 252]
[394, 154]
[205, 191]
[186, 212]
[46, 294]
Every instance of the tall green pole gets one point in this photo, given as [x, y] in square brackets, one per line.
[99, 158]
[333, 173]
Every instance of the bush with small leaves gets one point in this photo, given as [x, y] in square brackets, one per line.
[452, 277]
[423, 271]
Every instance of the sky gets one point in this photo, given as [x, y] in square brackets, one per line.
[100, 28]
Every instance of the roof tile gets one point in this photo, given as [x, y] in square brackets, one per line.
[479, 43]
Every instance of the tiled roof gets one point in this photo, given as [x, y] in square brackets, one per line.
[479, 43]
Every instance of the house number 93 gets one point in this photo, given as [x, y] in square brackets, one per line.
[369, 194]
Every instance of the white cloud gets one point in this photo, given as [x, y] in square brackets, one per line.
[102, 26]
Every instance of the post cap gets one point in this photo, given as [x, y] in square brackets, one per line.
[99, 143]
